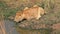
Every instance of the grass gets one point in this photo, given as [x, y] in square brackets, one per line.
[6, 10]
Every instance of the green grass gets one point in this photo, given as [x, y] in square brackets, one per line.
[6, 11]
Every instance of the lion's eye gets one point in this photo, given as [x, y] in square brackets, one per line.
[19, 16]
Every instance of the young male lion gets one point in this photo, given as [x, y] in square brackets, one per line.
[34, 12]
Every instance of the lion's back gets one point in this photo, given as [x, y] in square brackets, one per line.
[31, 13]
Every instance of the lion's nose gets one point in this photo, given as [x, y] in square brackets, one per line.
[15, 20]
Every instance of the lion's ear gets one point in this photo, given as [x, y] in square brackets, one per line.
[25, 8]
[35, 5]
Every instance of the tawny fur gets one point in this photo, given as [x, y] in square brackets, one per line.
[30, 13]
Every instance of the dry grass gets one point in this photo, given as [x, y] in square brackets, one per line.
[2, 24]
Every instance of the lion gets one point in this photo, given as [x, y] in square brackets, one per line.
[34, 12]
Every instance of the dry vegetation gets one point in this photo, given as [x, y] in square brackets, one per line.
[2, 24]
[52, 7]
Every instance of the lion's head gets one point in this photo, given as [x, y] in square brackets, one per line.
[18, 16]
